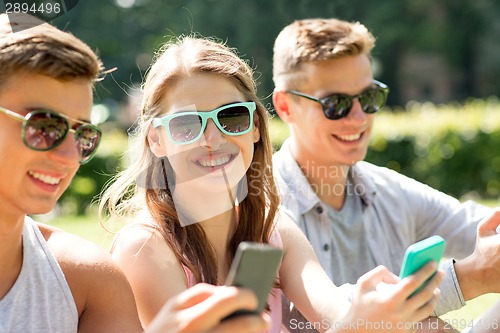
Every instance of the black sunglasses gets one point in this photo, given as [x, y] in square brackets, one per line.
[337, 106]
[45, 130]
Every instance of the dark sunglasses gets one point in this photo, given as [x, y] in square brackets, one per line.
[187, 126]
[337, 106]
[45, 130]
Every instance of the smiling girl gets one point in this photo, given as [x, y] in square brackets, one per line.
[202, 185]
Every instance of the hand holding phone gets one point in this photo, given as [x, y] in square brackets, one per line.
[419, 254]
[255, 266]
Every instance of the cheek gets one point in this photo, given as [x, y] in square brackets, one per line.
[171, 149]
[248, 153]
[177, 156]
[319, 126]
[370, 122]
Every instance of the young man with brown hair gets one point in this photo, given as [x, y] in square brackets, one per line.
[355, 214]
[52, 281]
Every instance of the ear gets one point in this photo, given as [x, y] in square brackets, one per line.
[256, 130]
[155, 143]
[281, 101]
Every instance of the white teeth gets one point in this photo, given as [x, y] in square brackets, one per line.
[214, 162]
[45, 178]
[352, 137]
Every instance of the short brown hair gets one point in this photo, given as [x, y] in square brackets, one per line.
[43, 49]
[311, 40]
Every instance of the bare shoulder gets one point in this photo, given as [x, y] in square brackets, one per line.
[81, 258]
[148, 261]
[102, 294]
[73, 250]
[140, 243]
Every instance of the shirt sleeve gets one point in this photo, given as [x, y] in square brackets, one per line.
[451, 294]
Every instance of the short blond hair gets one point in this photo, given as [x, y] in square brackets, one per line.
[28, 45]
[310, 40]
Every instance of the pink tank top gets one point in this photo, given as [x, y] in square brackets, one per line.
[274, 299]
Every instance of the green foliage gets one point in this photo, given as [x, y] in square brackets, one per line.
[126, 34]
[449, 147]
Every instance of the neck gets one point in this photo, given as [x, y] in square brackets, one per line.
[198, 206]
[328, 181]
[215, 212]
[218, 231]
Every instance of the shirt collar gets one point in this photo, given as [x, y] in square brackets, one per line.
[292, 183]
[294, 186]
[363, 184]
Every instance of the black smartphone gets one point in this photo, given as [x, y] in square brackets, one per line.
[254, 266]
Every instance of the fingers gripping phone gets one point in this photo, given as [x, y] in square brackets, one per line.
[419, 254]
[254, 267]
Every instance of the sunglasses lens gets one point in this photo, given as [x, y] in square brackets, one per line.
[337, 106]
[372, 100]
[235, 119]
[185, 127]
[87, 138]
[44, 130]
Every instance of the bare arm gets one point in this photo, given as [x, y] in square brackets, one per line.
[110, 304]
[303, 280]
[479, 273]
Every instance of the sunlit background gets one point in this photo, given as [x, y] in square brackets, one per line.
[439, 58]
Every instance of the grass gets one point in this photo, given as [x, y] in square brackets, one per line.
[86, 227]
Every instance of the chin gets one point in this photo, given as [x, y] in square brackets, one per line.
[41, 211]
[41, 208]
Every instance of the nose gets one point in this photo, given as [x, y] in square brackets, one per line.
[356, 115]
[212, 137]
[67, 152]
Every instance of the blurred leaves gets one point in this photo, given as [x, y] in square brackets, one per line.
[451, 147]
[126, 34]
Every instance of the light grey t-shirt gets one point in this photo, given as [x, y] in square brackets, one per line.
[40, 301]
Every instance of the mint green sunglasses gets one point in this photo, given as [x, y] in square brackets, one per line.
[188, 126]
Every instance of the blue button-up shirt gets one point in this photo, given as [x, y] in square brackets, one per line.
[384, 212]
